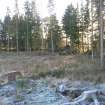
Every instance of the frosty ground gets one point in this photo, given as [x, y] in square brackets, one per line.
[43, 74]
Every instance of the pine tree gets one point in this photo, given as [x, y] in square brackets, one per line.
[51, 12]
[17, 37]
[54, 32]
[33, 35]
[70, 25]
[28, 18]
[7, 22]
[101, 32]
[98, 4]
[36, 40]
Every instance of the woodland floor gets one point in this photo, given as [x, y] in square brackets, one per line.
[44, 77]
[73, 67]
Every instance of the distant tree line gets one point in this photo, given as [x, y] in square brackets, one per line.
[30, 32]
[83, 25]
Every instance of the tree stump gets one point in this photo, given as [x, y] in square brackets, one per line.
[11, 76]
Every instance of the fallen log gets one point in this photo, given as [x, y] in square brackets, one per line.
[85, 95]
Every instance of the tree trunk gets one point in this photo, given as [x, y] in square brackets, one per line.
[17, 38]
[92, 29]
[52, 43]
[27, 39]
[101, 32]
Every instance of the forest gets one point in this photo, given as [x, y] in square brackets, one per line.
[48, 61]
[81, 30]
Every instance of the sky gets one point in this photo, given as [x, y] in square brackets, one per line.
[60, 6]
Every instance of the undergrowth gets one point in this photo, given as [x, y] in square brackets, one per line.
[83, 69]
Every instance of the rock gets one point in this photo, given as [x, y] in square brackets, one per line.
[74, 94]
[62, 89]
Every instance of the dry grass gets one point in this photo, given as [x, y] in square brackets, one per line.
[71, 67]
